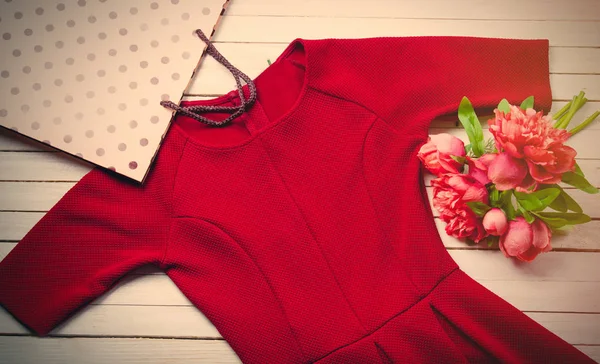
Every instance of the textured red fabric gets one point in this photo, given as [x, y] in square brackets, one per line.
[303, 230]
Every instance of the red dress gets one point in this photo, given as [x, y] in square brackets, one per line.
[302, 230]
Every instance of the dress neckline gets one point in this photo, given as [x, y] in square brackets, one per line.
[182, 123]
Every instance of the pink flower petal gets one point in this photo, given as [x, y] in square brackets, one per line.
[512, 150]
[541, 234]
[507, 172]
[518, 238]
[528, 185]
[538, 155]
[541, 175]
[529, 255]
[565, 160]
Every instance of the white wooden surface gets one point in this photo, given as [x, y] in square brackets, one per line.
[145, 319]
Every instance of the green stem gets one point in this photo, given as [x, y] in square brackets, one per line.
[585, 123]
[561, 112]
[578, 102]
[565, 115]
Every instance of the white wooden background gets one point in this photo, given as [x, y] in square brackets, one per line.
[145, 319]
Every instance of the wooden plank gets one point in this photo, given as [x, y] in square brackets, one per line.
[574, 328]
[564, 86]
[11, 141]
[41, 196]
[18, 166]
[490, 265]
[14, 225]
[579, 237]
[31, 196]
[115, 320]
[189, 322]
[42, 166]
[574, 60]
[548, 296]
[530, 287]
[593, 351]
[526, 295]
[136, 290]
[483, 265]
[406, 9]
[33, 350]
[284, 29]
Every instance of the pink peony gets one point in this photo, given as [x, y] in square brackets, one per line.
[525, 241]
[529, 136]
[478, 168]
[451, 192]
[435, 154]
[494, 222]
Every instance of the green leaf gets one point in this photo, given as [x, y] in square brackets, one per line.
[505, 201]
[578, 170]
[269, 61]
[559, 204]
[459, 158]
[469, 120]
[564, 201]
[479, 208]
[571, 203]
[504, 106]
[557, 220]
[494, 196]
[578, 181]
[527, 103]
[538, 200]
[527, 215]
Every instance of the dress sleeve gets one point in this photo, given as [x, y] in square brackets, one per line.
[411, 80]
[103, 227]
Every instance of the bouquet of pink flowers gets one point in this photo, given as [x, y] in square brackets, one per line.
[498, 190]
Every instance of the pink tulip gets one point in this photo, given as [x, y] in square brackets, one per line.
[525, 241]
[436, 154]
[529, 136]
[451, 192]
[494, 222]
[507, 172]
[478, 168]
